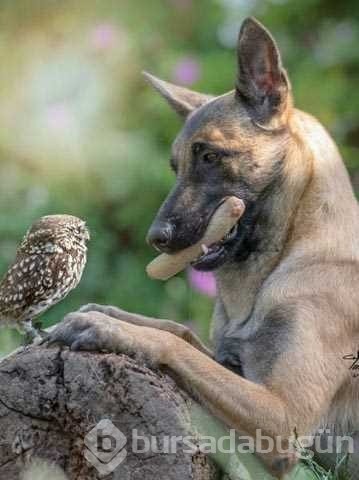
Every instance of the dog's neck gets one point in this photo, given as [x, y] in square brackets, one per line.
[286, 216]
[239, 281]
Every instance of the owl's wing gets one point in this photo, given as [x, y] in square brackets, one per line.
[24, 284]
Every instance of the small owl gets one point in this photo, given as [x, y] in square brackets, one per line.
[48, 265]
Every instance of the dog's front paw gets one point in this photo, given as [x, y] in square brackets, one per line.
[89, 331]
[98, 332]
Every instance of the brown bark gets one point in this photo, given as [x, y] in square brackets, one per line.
[51, 398]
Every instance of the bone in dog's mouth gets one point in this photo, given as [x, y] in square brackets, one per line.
[212, 253]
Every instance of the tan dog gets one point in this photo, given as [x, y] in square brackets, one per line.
[288, 306]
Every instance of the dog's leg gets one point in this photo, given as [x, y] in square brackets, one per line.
[142, 321]
[295, 395]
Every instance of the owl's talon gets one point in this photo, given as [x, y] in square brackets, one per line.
[27, 342]
[32, 333]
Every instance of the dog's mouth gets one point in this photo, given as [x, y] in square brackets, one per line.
[215, 255]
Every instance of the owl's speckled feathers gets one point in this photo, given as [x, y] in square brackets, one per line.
[48, 265]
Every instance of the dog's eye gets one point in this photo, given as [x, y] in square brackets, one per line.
[210, 157]
[196, 148]
[201, 152]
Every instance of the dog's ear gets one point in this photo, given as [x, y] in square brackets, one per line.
[182, 100]
[262, 82]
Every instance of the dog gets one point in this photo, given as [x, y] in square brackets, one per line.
[286, 319]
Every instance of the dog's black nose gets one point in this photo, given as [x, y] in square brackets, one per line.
[160, 235]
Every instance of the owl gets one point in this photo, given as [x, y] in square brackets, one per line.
[49, 264]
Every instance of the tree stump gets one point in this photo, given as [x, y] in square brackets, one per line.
[51, 398]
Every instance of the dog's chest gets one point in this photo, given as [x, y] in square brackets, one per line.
[252, 359]
[248, 334]
[252, 356]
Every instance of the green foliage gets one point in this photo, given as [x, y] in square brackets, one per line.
[82, 133]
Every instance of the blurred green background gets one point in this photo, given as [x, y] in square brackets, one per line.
[82, 133]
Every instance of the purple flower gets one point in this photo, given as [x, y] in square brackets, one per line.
[203, 282]
[104, 36]
[187, 71]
